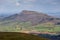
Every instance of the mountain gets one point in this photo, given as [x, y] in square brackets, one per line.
[30, 21]
[33, 17]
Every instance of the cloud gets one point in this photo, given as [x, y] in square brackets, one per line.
[28, 1]
[29, 6]
[18, 4]
[2, 9]
[42, 5]
[52, 2]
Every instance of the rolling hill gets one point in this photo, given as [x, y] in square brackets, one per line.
[28, 21]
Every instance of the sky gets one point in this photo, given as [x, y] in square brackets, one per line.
[16, 6]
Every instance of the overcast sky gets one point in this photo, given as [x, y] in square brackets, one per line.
[14, 6]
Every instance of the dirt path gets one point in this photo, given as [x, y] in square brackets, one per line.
[36, 32]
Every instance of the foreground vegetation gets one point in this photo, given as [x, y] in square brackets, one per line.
[18, 36]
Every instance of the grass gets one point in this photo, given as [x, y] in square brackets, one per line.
[19, 36]
[16, 26]
[48, 28]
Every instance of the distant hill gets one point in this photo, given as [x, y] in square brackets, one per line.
[3, 15]
[33, 17]
[57, 15]
[19, 36]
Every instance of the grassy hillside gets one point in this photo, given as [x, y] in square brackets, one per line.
[19, 36]
[16, 26]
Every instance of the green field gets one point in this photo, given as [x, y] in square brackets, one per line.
[16, 26]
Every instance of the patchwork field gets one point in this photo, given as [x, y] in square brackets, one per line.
[15, 26]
